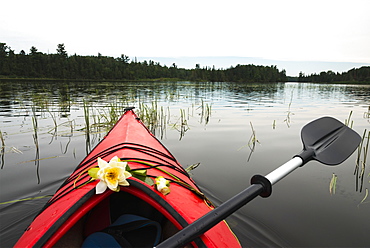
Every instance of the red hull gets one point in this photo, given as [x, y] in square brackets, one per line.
[128, 139]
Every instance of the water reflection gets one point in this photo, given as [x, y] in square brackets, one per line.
[103, 102]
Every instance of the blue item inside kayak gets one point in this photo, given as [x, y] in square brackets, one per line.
[127, 231]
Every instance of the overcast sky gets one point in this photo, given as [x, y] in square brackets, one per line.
[286, 30]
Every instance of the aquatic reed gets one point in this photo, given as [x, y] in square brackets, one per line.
[289, 112]
[155, 117]
[251, 142]
[26, 199]
[36, 142]
[2, 139]
[86, 116]
[87, 126]
[365, 197]
[333, 184]
[253, 139]
[360, 166]
[206, 110]
[348, 122]
[367, 113]
[181, 124]
[2, 150]
[34, 119]
[108, 118]
[164, 119]
[184, 127]
[192, 167]
[149, 115]
[54, 121]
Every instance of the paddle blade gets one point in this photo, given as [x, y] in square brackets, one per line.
[328, 141]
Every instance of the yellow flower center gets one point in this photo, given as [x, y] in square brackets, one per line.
[112, 174]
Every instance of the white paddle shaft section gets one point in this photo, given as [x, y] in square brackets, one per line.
[278, 174]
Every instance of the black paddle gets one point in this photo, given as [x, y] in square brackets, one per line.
[326, 140]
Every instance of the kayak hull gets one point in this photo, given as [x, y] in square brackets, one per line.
[76, 210]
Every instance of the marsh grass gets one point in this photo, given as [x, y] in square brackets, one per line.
[2, 150]
[26, 199]
[192, 167]
[87, 125]
[39, 159]
[365, 197]
[184, 126]
[100, 119]
[361, 161]
[86, 116]
[165, 114]
[154, 117]
[41, 101]
[348, 122]
[36, 142]
[206, 111]
[181, 125]
[55, 128]
[64, 151]
[2, 139]
[251, 142]
[367, 113]
[54, 121]
[289, 112]
[70, 124]
[333, 184]
[253, 139]
[107, 117]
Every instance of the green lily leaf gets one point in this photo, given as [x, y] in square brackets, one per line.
[139, 173]
[93, 172]
[149, 181]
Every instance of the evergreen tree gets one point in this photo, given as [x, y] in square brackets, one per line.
[61, 51]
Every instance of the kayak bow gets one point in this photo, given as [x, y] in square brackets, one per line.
[76, 212]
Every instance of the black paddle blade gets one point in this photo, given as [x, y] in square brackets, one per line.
[328, 141]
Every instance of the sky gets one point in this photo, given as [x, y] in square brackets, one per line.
[296, 35]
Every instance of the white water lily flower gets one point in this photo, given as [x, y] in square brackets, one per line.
[162, 185]
[111, 175]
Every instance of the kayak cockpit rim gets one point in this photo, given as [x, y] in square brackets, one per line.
[87, 203]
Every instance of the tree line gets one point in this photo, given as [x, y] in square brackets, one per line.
[354, 75]
[60, 65]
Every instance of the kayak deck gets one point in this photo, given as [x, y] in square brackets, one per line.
[75, 211]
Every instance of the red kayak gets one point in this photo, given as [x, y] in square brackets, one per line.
[129, 191]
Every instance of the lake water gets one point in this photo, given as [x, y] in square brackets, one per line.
[44, 136]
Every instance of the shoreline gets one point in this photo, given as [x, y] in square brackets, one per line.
[161, 80]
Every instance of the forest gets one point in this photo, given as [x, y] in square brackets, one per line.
[358, 75]
[61, 65]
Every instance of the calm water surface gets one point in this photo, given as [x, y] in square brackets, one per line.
[44, 136]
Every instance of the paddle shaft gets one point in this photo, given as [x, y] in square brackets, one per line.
[206, 222]
[284, 170]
